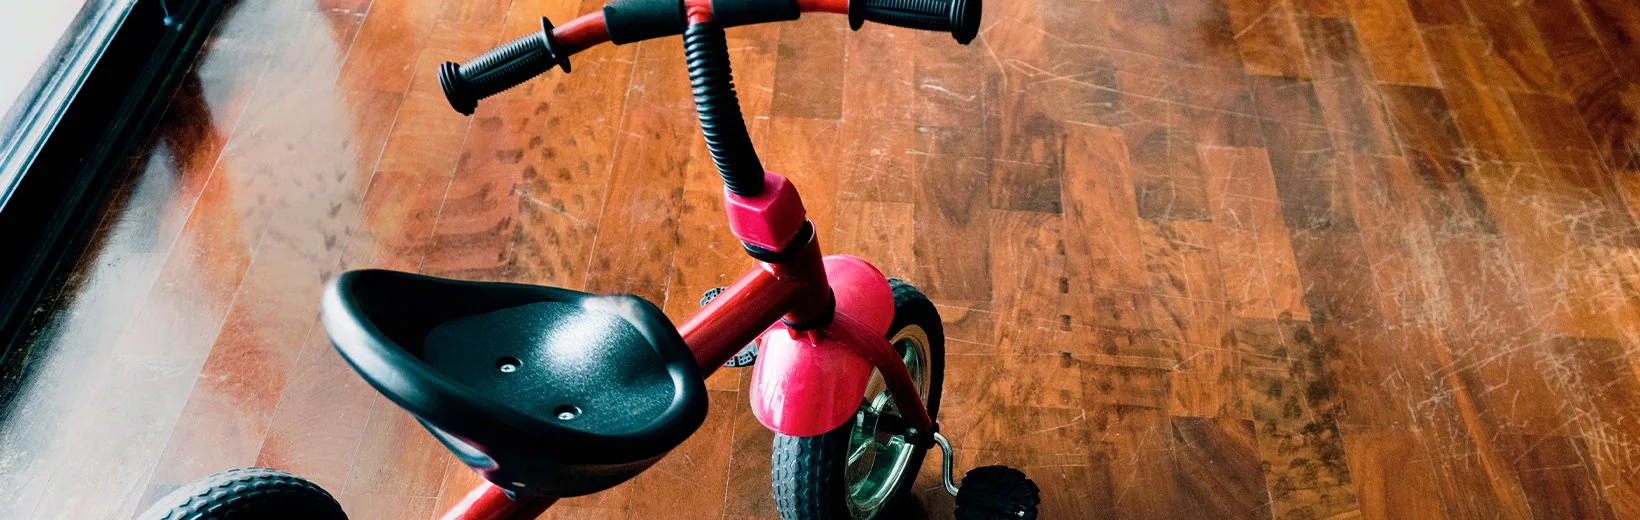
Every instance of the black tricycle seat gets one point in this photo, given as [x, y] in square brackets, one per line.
[543, 391]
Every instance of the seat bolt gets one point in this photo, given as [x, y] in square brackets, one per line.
[566, 412]
[507, 365]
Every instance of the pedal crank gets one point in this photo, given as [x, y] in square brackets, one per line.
[945, 463]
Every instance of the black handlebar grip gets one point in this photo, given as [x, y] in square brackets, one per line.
[500, 69]
[960, 17]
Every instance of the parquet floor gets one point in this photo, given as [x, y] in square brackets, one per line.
[1197, 258]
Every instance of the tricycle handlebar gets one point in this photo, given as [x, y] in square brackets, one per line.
[626, 21]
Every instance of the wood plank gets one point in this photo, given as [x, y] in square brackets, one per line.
[1350, 104]
[1615, 24]
[1553, 126]
[1216, 470]
[249, 363]
[1255, 255]
[1593, 72]
[646, 179]
[1512, 41]
[1469, 76]
[1026, 254]
[1268, 38]
[747, 492]
[1187, 284]
[1166, 171]
[1557, 478]
[1439, 12]
[1207, 69]
[1302, 155]
[638, 227]
[1394, 476]
[1474, 480]
[1383, 27]
[1604, 394]
[385, 507]
[879, 116]
[1347, 318]
[691, 481]
[139, 228]
[1101, 217]
[1027, 156]
[320, 422]
[400, 459]
[805, 151]
[1291, 384]
[1074, 75]
[1435, 151]
[1493, 342]
[808, 79]
[1140, 485]
[880, 232]
[1398, 249]
[1543, 214]
[1321, 8]
[949, 94]
[952, 221]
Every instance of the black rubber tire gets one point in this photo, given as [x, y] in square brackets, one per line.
[247, 494]
[807, 472]
[997, 493]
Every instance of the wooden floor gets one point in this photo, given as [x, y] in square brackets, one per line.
[1249, 259]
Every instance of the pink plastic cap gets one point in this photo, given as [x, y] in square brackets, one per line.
[769, 219]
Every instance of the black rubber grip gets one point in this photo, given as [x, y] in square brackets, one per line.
[960, 17]
[707, 54]
[500, 69]
[629, 21]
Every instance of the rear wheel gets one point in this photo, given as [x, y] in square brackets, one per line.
[247, 494]
[859, 470]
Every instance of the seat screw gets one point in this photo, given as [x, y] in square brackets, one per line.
[507, 365]
[566, 412]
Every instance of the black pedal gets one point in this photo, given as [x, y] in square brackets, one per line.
[748, 355]
[997, 493]
[745, 358]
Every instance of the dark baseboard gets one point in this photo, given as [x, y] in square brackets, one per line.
[44, 219]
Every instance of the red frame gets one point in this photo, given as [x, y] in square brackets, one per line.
[757, 301]
[796, 290]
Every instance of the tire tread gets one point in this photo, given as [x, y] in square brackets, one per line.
[246, 493]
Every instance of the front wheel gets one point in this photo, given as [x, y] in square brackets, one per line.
[857, 471]
[247, 494]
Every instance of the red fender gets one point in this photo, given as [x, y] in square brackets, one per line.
[808, 382]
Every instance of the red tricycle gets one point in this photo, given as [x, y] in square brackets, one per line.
[549, 392]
